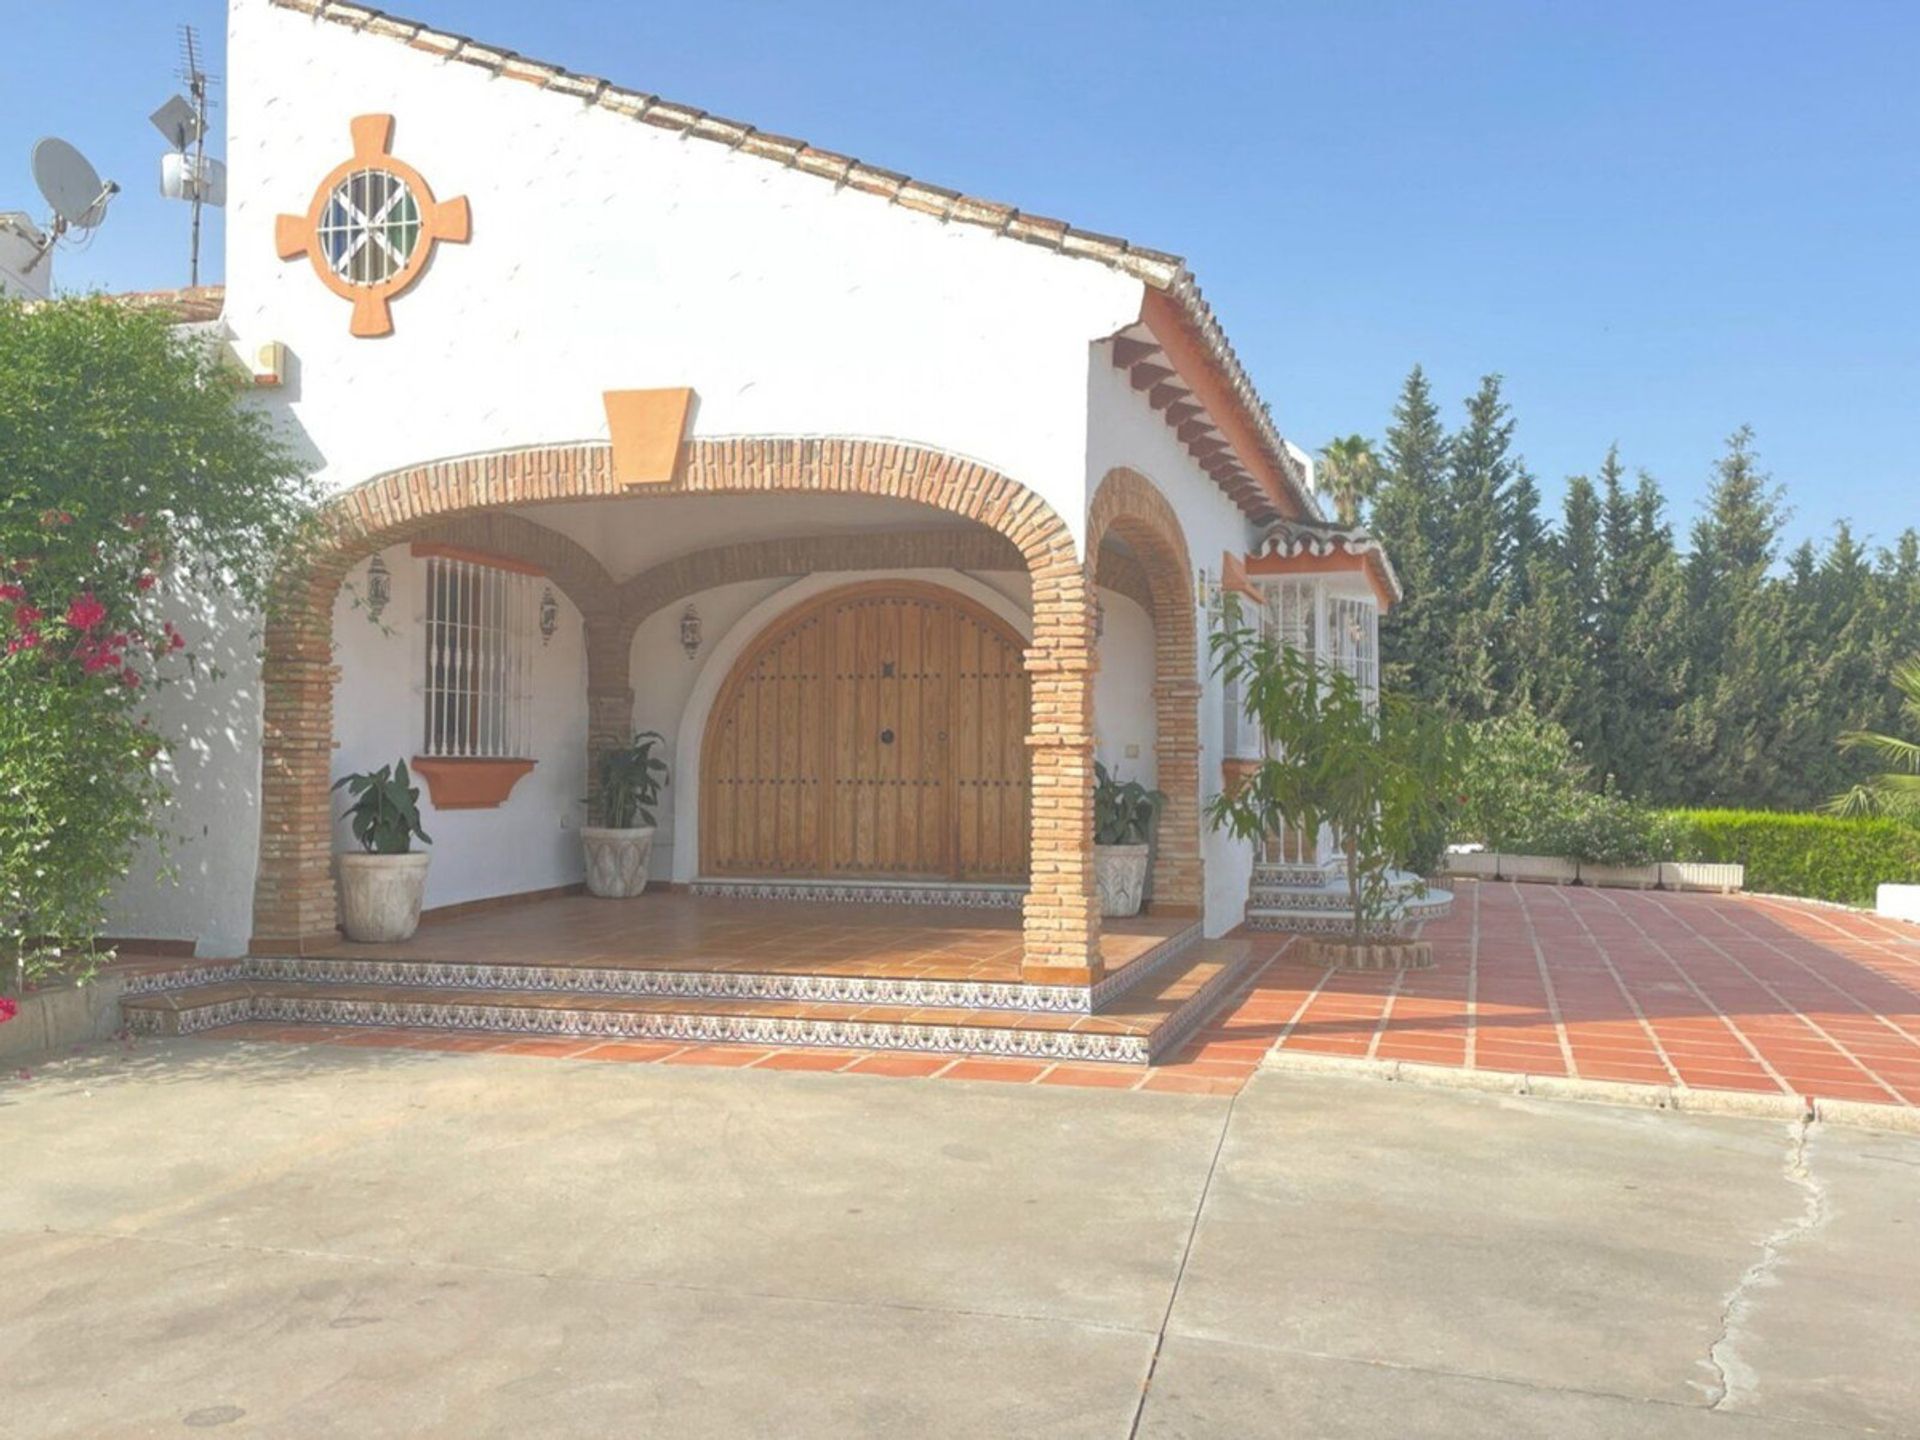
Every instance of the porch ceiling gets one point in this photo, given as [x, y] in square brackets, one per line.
[629, 535]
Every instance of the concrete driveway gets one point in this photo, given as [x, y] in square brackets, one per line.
[290, 1240]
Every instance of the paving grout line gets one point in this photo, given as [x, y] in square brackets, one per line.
[1753, 1104]
[1791, 1008]
[1546, 985]
[1626, 993]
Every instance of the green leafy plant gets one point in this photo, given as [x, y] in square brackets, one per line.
[1125, 812]
[1604, 828]
[1894, 792]
[385, 813]
[1380, 776]
[631, 778]
[1821, 857]
[1520, 775]
[136, 491]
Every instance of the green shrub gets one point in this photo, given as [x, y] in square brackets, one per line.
[1519, 773]
[1821, 857]
[1606, 829]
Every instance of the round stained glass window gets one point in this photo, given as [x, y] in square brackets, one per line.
[370, 227]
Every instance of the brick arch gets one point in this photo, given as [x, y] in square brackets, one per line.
[1128, 506]
[294, 894]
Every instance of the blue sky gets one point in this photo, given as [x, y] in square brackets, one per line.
[1657, 220]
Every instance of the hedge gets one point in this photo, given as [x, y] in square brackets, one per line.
[1820, 857]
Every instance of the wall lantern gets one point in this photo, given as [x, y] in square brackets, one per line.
[379, 587]
[1099, 617]
[549, 614]
[690, 631]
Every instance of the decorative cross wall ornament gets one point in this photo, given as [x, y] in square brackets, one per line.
[372, 226]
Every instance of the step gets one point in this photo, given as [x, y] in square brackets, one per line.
[637, 980]
[1139, 1025]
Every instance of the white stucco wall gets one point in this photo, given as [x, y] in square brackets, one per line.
[607, 253]
[532, 841]
[198, 884]
[1123, 430]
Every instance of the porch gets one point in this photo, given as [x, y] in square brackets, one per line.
[693, 968]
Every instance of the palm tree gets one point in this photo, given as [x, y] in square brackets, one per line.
[1895, 791]
[1349, 471]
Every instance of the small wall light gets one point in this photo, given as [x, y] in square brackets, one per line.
[1099, 617]
[690, 631]
[549, 614]
[379, 587]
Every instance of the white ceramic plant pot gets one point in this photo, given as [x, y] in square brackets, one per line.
[1703, 875]
[1619, 877]
[380, 895]
[1479, 864]
[1540, 869]
[616, 860]
[1121, 873]
[1898, 902]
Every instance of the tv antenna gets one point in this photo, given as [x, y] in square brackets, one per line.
[72, 189]
[187, 174]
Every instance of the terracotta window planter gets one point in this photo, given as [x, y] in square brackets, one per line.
[469, 784]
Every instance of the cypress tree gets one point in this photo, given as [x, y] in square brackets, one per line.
[1409, 519]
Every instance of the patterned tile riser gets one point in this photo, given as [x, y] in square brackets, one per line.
[693, 1029]
[1298, 922]
[160, 981]
[970, 897]
[720, 985]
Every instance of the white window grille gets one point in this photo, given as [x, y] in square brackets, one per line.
[370, 227]
[1292, 615]
[479, 689]
[1353, 643]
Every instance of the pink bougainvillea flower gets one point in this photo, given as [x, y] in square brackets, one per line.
[13, 592]
[145, 582]
[27, 615]
[84, 612]
[8, 1009]
[176, 641]
[25, 640]
[130, 677]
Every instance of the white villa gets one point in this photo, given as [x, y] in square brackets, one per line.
[891, 508]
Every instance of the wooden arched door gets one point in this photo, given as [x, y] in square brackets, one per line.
[876, 731]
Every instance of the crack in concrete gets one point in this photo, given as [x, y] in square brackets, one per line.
[1733, 1378]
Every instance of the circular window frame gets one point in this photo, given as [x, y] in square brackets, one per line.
[448, 220]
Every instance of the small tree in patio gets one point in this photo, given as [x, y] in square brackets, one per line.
[1380, 777]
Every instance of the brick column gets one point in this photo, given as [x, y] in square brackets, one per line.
[609, 696]
[1178, 873]
[1062, 913]
[293, 900]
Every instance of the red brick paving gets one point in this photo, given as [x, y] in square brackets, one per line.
[1711, 992]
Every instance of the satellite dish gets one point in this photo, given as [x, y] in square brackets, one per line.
[71, 185]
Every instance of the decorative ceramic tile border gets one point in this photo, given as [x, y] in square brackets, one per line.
[185, 977]
[778, 1032]
[681, 984]
[872, 892]
[1156, 959]
[1333, 922]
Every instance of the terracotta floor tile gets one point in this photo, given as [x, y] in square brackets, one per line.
[729, 1056]
[1017, 1071]
[887, 1063]
[1096, 1077]
[806, 1060]
[624, 1050]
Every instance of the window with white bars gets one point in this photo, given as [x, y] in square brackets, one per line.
[479, 661]
[1353, 643]
[1291, 616]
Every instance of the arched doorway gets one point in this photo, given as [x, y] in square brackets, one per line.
[877, 731]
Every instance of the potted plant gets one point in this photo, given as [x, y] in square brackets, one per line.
[1124, 815]
[382, 886]
[1378, 775]
[630, 778]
